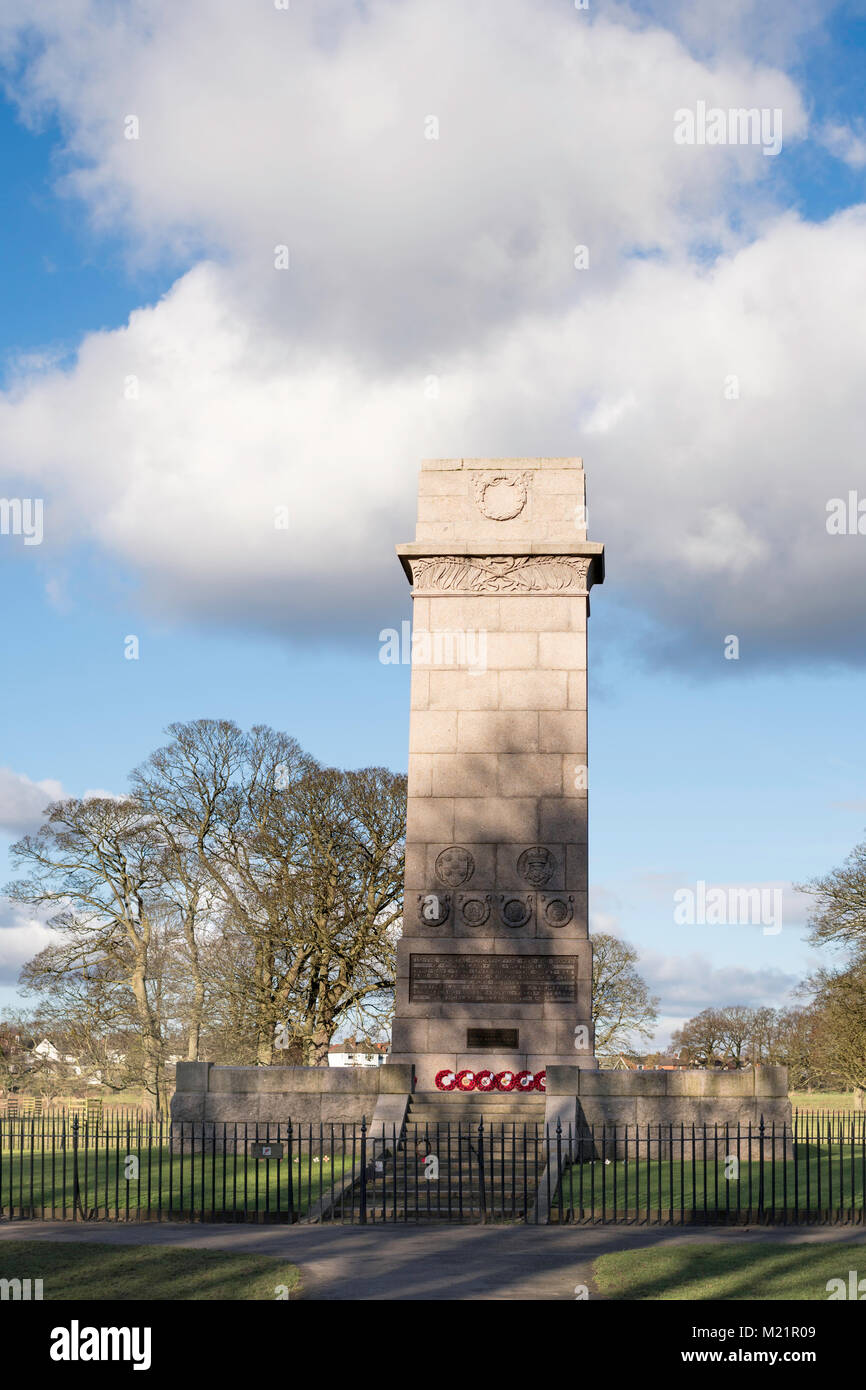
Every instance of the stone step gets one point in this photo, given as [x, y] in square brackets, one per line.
[469, 1199]
[451, 1173]
[458, 1107]
[391, 1215]
[471, 1196]
[475, 1107]
[495, 1112]
[469, 1124]
[496, 1097]
[453, 1170]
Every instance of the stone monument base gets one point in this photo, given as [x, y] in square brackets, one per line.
[209, 1102]
[615, 1106]
[576, 1096]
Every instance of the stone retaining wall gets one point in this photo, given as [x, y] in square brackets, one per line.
[208, 1094]
[602, 1100]
[211, 1095]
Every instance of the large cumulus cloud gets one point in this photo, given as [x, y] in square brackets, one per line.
[432, 306]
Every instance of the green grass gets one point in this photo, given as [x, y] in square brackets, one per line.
[823, 1100]
[728, 1272]
[87, 1270]
[815, 1179]
[192, 1183]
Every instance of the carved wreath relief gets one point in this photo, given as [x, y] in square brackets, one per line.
[558, 912]
[501, 496]
[433, 908]
[515, 909]
[474, 908]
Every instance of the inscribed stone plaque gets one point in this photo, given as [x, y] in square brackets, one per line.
[464, 979]
[492, 1037]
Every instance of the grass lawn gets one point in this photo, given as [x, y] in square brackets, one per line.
[80, 1270]
[728, 1272]
[165, 1181]
[832, 1176]
[823, 1100]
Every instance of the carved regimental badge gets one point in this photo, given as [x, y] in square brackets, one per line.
[557, 911]
[433, 908]
[515, 909]
[537, 865]
[474, 908]
[454, 866]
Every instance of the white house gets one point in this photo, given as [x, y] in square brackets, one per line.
[348, 1053]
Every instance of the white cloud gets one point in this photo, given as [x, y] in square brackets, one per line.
[260, 127]
[685, 985]
[22, 801]
[258, 388]
[845, 142]
[688, 984]
[22, 936]
[772, 29]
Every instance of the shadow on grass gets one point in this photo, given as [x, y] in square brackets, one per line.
[93, 1271]
[736, 1273]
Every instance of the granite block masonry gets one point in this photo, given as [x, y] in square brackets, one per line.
[223, 1107]
[495, 965]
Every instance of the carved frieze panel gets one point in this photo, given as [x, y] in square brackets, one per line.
[500, 574]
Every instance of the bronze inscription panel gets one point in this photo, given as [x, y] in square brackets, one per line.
[453, 979]
[492, 1037]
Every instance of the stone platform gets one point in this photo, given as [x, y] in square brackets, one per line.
[575, 1096]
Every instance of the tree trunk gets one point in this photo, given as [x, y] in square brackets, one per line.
[152, 1068]
[195, 1021]
[264, 1021]
[317, 1049]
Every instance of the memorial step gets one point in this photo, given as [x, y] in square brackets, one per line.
[469, 1124]
[447, 1101]
[472, 1109]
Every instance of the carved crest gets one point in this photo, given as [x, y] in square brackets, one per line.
[537, 865]
[433, 908]
[454, 866]
[515, 909]
[558, 911]
[474, 908]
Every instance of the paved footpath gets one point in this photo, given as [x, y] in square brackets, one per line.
[425, 1262]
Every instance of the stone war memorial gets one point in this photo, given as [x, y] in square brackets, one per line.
[495, 964]
[493, 1009]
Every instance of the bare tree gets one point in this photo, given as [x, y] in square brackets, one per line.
[243, 894]
[183, 788]
[839, 915]
[98, 863]
[622, 1006]
[301, 869]
[701, 1039]
[840, 1024]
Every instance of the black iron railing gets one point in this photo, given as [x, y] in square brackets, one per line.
[152, 1170]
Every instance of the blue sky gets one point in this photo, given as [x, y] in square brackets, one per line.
[312, 387]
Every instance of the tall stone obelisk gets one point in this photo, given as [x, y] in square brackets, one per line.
[495, 966]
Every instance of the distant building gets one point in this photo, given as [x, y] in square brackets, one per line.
[617, 1063]
[348, 1053]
